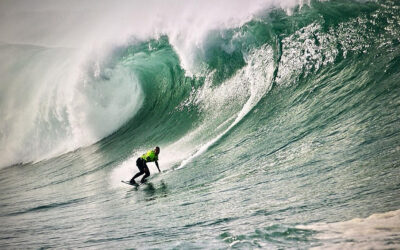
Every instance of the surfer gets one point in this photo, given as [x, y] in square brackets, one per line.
[150, 156]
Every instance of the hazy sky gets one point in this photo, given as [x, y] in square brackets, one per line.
[75, 23]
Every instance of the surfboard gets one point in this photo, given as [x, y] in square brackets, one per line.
[127, 182]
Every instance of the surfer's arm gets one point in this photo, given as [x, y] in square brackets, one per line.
[157, 166]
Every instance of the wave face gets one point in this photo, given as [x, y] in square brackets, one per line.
[270, 125]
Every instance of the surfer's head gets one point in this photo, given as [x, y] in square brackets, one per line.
[157, 150]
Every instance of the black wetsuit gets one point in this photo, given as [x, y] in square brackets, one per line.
[142, 166]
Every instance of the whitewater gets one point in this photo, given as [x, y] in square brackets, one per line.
[278, 123]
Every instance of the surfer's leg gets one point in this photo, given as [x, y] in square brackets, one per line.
[146, 174]
[140, 165]
[136, 175]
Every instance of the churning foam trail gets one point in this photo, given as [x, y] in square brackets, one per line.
[373, 232]
[258, 76]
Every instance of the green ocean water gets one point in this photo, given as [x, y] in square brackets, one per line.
[287, 136]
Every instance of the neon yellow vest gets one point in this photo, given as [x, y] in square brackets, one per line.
[150, 156]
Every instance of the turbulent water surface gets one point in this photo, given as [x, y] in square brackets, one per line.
[279, 125]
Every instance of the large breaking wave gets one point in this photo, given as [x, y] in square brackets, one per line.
[183, 87]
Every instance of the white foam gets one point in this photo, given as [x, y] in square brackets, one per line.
[378, 231]
[124, 171]
[256, 76]
[54, 104]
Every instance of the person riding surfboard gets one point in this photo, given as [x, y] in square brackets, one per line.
[150, 156]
